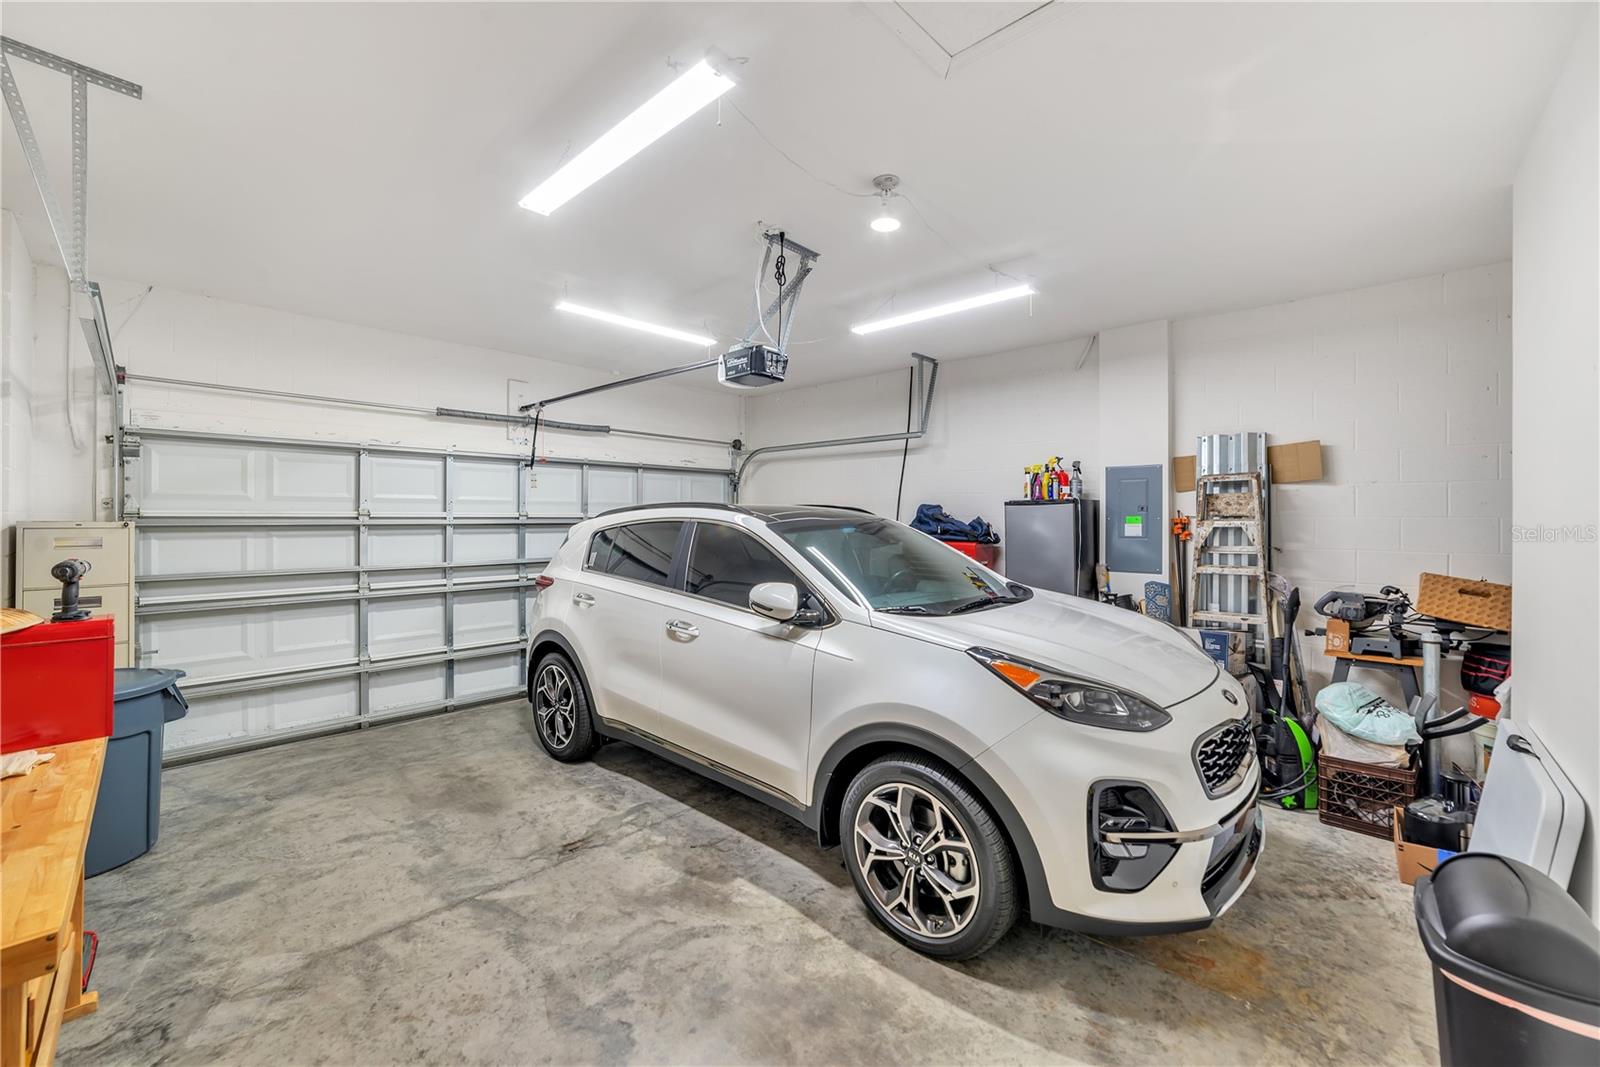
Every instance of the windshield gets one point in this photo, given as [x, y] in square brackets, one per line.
[895, 568]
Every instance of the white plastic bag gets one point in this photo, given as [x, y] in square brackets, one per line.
[1360, 712]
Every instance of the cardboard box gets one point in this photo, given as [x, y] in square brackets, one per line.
[1338, 639]
[1486, 604]
[1412, 860]
[1300, 461]
[1183, 474]
[1228, 648]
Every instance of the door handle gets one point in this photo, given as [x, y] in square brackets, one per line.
[582, 598]
[685, 630]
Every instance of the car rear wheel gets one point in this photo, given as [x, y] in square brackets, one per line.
[931, 863]
[561, 710]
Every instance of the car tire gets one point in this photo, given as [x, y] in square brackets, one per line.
[561, 709]
[962, 896]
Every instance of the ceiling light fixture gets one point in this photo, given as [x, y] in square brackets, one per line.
[635, 324]
[691, 91]
[887, 218]
[939, 310]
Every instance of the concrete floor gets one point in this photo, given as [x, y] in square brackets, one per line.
[440, 890]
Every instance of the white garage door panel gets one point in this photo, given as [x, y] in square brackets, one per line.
[543, 541]
[670, 487]
[177, 550]
[610, 488]
[299, 583]
[211, 719]
[404, 545]
[476, 544]
[405, 625]
[309, 481]
[219, 477]
[406, 485]
[485, 487]
[488, 674]
[553, 490]
[239, 716]
[407, 688]
[215, 644]
[485, 618]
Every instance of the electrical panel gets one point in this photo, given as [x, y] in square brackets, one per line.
[1136, 519]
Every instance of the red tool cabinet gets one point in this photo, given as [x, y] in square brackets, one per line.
[56, 681]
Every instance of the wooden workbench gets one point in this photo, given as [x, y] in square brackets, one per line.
[46, 816]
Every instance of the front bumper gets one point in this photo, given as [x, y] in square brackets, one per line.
[1048, 773]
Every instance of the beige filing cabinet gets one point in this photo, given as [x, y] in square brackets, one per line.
[106, 590]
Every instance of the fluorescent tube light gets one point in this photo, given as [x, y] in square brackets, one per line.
[944, 309]
[635, 324]
[693, 90]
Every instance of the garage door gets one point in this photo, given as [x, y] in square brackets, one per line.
[314, 587]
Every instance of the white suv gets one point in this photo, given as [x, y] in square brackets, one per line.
[979, 749]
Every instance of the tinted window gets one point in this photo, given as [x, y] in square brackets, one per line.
[641, 551]
[725, 564]
[893, 566]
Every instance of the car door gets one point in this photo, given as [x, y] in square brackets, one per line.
[735, 685]
[619, 614]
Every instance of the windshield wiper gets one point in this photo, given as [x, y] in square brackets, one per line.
[984, 602]
[905, 609]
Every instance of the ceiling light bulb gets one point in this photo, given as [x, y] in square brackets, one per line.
[938, 310]
[887, 219]
[691, 91]
[636, 324]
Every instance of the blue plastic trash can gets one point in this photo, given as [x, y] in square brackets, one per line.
[127, 815]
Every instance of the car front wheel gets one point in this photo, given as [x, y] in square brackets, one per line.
[931, 863]
[561, 710]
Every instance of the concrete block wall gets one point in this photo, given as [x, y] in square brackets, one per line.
[992, 416]
[16, 387]
[172, 334]
[1408, 386]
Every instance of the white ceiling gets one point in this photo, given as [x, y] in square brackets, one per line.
[363, 162]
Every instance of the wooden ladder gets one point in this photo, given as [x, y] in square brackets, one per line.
[1230, 502]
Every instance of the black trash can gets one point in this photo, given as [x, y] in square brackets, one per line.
[127, 814]
[1516, 964]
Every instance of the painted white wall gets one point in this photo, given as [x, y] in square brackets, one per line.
[16, 385]
[1135, 414]
[1556, 466]
[1408, 387]
[169, 334]
[992, 417]
[54, 412]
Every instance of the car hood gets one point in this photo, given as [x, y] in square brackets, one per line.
[1076, 636]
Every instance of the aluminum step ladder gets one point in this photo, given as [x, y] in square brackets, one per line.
[1230, 502]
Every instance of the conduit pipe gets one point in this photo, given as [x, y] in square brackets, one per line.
[927, 377]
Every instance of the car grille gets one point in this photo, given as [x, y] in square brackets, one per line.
[1220, 756]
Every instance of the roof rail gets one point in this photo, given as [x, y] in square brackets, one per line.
[675, 504]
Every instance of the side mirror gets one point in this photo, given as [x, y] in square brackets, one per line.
[775, 600]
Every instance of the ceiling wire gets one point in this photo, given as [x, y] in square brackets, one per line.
[801, 167]
[836, 187]
[950, 244]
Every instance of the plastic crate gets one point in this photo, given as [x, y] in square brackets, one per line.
[1362, 796]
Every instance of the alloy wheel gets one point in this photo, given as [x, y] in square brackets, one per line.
[553, 706]
[916, 860]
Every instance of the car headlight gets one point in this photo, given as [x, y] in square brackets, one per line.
[1074, 699]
